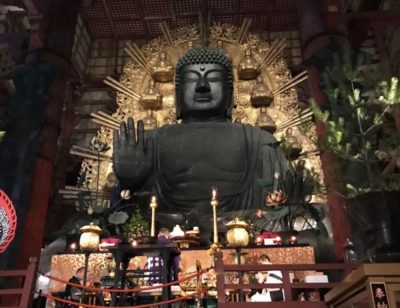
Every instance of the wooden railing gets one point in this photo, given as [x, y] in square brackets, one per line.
[287, 286]
[22, 282]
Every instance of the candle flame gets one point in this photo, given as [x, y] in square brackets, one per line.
[214, 193]
[153, 199]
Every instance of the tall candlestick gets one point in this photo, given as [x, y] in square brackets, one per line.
[214, 204]
[153, 206]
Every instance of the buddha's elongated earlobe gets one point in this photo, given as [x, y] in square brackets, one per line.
[178, 113]
[230, 107]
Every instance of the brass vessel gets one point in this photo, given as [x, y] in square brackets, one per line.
[237, 233]
[90, 238]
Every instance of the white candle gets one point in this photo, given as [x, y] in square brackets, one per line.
[214, 194]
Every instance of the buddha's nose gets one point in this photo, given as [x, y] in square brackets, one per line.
[202, 85]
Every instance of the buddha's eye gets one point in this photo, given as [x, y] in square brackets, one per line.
[214, 76]
[190, 76]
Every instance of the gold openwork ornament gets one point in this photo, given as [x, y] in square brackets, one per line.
[146, 90]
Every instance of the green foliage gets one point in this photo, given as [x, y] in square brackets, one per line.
[264, 182]
[359, 122]
[137, 226]
[305, 127]
[118, 218]
[278, 213]
[142, 194]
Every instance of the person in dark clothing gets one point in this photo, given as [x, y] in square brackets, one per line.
[272, 294]
[155, 264]
[72, 292]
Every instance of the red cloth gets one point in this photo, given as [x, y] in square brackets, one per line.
[268, 234]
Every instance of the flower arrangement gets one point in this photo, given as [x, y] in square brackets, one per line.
[293, 201]
[137, 226]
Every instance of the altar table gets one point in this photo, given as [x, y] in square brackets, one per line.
[64, 265]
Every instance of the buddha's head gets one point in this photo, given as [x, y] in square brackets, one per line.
[204, 86]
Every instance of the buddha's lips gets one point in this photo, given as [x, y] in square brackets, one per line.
[205, 98]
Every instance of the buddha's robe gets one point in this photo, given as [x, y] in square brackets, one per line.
[190, 158]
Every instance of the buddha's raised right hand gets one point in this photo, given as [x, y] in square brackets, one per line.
[132, 156]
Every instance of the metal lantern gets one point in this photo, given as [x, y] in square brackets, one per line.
[237, 234]
[90, 238]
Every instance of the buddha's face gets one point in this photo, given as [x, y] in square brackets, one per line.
[204, 92]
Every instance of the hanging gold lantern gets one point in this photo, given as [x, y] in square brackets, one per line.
[261, 96]
[151, 98]
[90, 238]
[162, 70]
[237, 234]
[248, 67]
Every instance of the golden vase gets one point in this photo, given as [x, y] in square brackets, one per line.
[90, 238]
[237, 233]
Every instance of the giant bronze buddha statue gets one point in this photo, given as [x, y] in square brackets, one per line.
[180, 163]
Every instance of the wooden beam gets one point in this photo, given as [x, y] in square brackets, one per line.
[85, 130]
[96, 102]
[376, 19]
[109, 18]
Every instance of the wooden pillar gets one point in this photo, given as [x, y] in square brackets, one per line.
[219, 270]
[57, 213]
[58, 30]
[316, 40]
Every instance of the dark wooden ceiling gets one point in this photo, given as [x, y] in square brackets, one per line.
[139, 19]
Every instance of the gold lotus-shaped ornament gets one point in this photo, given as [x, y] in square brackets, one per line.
[261, 96]
[151, 99]
[237, 234]
[248, 67]
[163, 70]
[275, 198]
